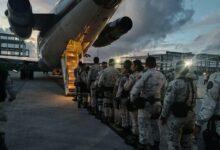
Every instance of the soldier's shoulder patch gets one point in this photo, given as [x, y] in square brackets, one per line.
[209, 85]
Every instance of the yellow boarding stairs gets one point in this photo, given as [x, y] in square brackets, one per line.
[69, 62]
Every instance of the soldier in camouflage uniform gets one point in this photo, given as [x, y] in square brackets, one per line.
[148, 88]
[92, 75]
[3, 79]
[178, 109]
[137, 70]
[81, 82]
[210, 111]
[107, 82]
[99, 92]
[116, 103]
[122, 95]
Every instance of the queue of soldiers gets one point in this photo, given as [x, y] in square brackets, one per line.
[146, 105]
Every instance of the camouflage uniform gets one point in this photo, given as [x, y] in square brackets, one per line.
[81, 80]
[107, 82]
[100, 94]
[116, 101]
[92, 75]
[211, 102]
[148, 85]
[179, 129]
[123, 101]
[134, 114]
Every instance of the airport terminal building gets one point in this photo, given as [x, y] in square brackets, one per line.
[201, 62]
[10, 45]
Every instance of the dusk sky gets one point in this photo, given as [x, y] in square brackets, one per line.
[159, 25]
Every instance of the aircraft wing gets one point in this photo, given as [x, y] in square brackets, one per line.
[8, 58]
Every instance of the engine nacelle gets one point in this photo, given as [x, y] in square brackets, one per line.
[113, 31]
[107, 3]
[20, 17]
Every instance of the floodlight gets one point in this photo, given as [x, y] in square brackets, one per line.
[117, 60]
[188, 63]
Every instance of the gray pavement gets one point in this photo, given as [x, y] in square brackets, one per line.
[42, 118]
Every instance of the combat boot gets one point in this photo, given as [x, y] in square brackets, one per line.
[141, 146]
[131, 140]
[89, 110]
[111, 120]
[85, 105]
[74, 98]
[79, 103]
[117, 127]
[155, 146]
[102, 117]
[92, 112]
[99, 115]
[104, 120]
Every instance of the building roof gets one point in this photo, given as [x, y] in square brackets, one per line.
[179, 54]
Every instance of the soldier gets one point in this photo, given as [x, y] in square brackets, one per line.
[10, 90]
[107, 82]
[81, 81]
[177, 112]
[210, 112]
[205, 78]
[92, 75]
[116, 105]
[122, 96]
[3, 78]
[137, 70]
[147, 92]
[99, 92]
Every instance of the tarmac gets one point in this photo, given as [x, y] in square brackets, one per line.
[42, 118]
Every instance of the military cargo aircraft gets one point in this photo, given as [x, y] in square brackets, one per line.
[83, 22]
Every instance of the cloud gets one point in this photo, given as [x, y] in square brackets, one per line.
[204, 43]
[213, 42]
[48, 5]
[153, 20]
[210, 20]
[157, 18]
[31, 46]
[3, 19]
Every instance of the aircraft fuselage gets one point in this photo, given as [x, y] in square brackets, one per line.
[80, 17]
